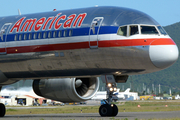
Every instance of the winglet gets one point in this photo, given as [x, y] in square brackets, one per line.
[19, 12]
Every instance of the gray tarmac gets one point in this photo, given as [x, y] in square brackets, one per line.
[95, 116]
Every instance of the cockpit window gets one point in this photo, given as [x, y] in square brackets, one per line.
[122, 31]
[148, 30]
[133, 29]
[137, 29]
[162, 30]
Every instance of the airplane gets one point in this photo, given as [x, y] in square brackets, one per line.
[117, 95]
[66, 52]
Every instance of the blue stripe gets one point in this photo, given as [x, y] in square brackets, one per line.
[74, 31]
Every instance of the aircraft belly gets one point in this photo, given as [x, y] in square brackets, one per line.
[79, 62]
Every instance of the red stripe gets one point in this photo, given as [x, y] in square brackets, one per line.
[136, 42]
[2, 50]
[164, 41]
[83, 45]
[51, 47]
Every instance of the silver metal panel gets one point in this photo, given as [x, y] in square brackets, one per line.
[127, 60]
[80, 62]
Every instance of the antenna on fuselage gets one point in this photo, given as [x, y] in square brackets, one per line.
[19, 12]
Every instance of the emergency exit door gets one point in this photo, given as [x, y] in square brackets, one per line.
[94, 32]
[3, 37]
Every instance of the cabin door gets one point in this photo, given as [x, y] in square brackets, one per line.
[3, 37]
[94, 32]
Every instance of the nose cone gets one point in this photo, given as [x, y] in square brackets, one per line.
[163, 56]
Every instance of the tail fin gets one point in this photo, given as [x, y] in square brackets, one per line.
[127, 90]
[19, 12]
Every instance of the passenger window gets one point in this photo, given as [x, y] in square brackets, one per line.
[49, 34]
[20, 36]
[122, 31]
[59, 34]
[148, 30]
[15, 37]
[34, 36]
[30, 36]
[44, 35]
[54, 34]
[133, 30]
[65, 33]
[25, 36]
[70, 32]
[39, 36]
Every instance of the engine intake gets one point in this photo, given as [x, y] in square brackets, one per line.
[67, 89]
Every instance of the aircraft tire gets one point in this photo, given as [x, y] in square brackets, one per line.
[115, 110]
[2, 109]
[105, 110]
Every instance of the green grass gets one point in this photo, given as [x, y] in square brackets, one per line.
[156, 119]
[61, 109]
[146, 106]
[8, 110]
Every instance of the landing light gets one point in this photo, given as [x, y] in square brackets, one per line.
[109, 85]
[118, 73]
[111, 89]
[115, 89]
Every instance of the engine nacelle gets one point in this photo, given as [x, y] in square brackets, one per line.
[67, 89]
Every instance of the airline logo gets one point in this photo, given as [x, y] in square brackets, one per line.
[55, 22]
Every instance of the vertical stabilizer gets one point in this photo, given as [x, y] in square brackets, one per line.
[127, 90]
[19, 12]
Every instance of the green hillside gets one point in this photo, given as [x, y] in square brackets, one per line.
[174, 31]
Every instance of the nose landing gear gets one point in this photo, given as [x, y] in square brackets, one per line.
[107, 109]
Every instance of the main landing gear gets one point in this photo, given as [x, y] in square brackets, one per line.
[107, 109]
[2, 110]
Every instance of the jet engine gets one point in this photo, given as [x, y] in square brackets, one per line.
[67, 89]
